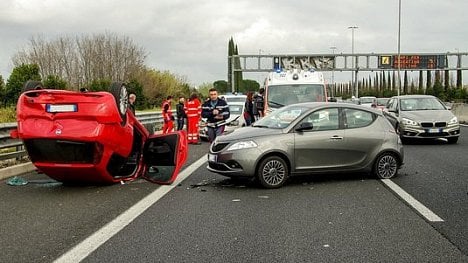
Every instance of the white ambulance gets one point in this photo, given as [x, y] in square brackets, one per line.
[293, 86]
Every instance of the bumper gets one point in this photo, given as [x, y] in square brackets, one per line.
[238, 163]
[80, 152]
[411, 132]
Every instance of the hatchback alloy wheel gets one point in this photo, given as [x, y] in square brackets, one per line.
[272, 172]
[386, 166]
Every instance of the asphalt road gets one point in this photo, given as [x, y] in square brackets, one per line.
[208, 218]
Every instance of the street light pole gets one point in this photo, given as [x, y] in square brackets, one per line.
[399, 33]
[333, 72]
[354, 75]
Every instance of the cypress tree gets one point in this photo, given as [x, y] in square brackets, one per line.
[420, 83]
[230, 53]
[405, 83]
[428, 80]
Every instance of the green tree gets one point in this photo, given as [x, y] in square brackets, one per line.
[54, 82]
[438, 89]
[405, 83]
[2, 92]
[18, 77]
[249, 85]
[230, 53]
[221, 86]
[204, 88]
[238, 74]
[100, 85]
[420, 83]
[428, 80]
[135, 87]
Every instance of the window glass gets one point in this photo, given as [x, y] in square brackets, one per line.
[325, 119]
[358, 118]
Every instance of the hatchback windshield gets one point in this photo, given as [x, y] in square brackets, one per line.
[414, 104]
[281, 118]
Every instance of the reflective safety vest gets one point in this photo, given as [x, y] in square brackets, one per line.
[167, 111]
[193, 108]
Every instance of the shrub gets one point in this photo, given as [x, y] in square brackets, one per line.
[7, 114]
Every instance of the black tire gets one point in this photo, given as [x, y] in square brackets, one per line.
[272, 172]
[32, 85]
[386, 166]
[120, 93]
[452, 140]
[405, 140]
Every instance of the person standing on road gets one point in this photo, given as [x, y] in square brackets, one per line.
[248, 109]
[258, 103]
[181, 115]
[168, 119]
[216, 111]
[131, 102]
[193, 119]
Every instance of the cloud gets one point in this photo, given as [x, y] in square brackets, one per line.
[190, 38]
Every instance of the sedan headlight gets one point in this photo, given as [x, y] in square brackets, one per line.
[406, 121]
[454, 120]
[242, 145]
[234, 123]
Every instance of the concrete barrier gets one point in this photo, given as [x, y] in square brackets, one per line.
[461, 111]
[16, 170]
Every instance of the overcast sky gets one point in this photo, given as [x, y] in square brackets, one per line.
[189, 38]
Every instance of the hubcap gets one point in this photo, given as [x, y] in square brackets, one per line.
[387, 167]
[273, 172]
[123, 100]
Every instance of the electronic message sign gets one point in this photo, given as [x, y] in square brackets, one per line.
[413, 61]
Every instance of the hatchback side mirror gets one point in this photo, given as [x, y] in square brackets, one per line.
[305, 126]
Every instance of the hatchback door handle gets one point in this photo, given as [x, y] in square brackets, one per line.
[336, 137]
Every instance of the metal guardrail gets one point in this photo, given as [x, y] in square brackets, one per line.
[13, 148]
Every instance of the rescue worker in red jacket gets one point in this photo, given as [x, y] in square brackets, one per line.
[168, 118]
[193, 118]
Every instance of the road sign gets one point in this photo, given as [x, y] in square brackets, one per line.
[413, 62]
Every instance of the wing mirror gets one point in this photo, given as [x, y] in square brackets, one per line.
[305, 126]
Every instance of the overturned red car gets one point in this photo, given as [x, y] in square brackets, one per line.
[93, 137]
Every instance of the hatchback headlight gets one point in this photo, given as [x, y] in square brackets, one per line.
[454, 120]
[242, 145]
[406, 121]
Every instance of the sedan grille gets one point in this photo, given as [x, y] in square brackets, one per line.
[216, 147]
[433, 124]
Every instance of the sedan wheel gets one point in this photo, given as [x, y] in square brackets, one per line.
[386, 166]
[272, 172]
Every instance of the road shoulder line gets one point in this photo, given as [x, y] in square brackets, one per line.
[93, 242]
[418, 206]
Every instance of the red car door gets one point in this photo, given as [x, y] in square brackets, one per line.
[163, 156]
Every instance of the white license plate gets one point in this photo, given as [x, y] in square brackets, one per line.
[212, 157]
[61, 108]
[433, 130]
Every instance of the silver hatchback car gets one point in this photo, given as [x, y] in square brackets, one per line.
[309, 138]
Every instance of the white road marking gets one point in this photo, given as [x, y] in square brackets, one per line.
[90, 244]
[422, 209]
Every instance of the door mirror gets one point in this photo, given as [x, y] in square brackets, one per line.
[163, 156]
[305, 126]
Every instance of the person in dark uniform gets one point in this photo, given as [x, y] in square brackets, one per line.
[216, 112]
